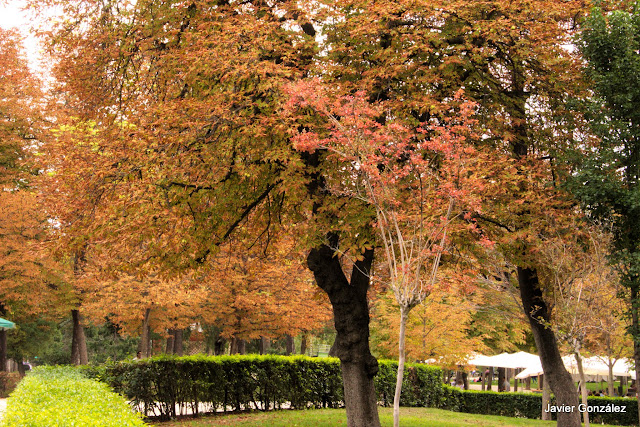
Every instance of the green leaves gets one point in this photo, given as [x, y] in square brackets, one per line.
[62, 396]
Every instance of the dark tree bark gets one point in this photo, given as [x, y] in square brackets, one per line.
[290, 345]
[501, 378]
[218, 346]
[333, 351]
[351, 317]
[79, 354]
[178, 342]
[303, 344]
[144, 346]
[238, 346]
[559, 380]
[265, 345]
[21, 368]
[490, 379]
[3, 350]
[169, 347]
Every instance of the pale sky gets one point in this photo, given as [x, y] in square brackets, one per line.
[12, 17]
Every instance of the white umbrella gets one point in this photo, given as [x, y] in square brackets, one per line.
[592, 366]
[517, 360]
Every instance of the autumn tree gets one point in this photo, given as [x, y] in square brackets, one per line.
[417, 186]
[583, 291]
[30, 282]
[508, 57]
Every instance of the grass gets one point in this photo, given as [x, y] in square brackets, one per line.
[409, 417]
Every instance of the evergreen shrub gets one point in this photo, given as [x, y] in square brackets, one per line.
[165, 385]
[63, 396]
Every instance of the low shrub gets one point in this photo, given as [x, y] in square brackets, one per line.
[421, 385]
[8, 382]
[529, 405]
[63, 396]
[164, 385]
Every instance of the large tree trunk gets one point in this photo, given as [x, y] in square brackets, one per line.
[144, 346]
[303, 344]
[559, 380]
[79, 354]
[404, 315]
[351, 317]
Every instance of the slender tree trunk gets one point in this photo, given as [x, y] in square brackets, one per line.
[21, 368]
[143, 346]
[560, 381]
[242, 346]
[79, 354]
[490, 379]
[265, 344]
[583, 387]
[238, 346]
[218, 346]
[169, 347]
[3, 350]
[404, 315]
[611, 379]
[303, 344]
[178, 342]
[290, 347]
[351, 316]
[483, 378]
[546, 398]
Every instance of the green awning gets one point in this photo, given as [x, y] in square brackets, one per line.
[5, 324]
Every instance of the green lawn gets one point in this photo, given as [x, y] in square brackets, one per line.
[415, 417]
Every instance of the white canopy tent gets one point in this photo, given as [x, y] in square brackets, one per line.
[594, 368]
[506, 360]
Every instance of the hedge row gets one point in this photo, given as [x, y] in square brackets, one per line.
[62, 396]
[529, 405]
[164, 386]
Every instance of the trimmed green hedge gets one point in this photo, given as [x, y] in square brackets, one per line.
[421, 386]
[62, 396]
[164, 385]
[161, 384]
[529, 405]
